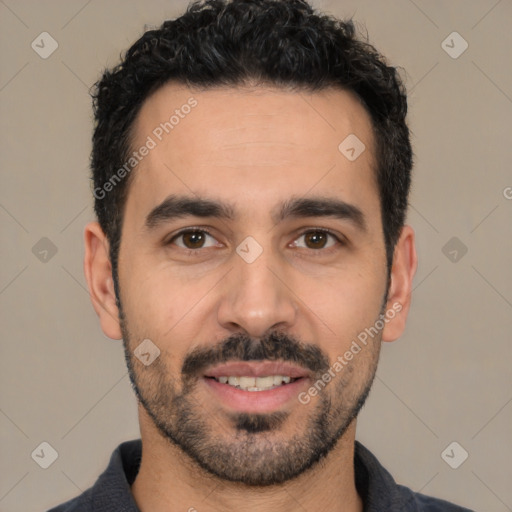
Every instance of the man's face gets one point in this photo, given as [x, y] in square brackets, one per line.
[259, 294]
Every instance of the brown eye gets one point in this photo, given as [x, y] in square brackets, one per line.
[316, 239]
[192, 239]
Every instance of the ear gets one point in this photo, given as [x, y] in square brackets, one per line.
[405, 262]
[98, 272]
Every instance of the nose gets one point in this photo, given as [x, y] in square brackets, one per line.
[256, 297]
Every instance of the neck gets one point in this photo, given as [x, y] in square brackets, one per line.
[168, 480]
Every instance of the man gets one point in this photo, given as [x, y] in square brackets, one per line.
[251, 166]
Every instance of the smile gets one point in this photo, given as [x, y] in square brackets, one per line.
[256, 386]
[255, 383]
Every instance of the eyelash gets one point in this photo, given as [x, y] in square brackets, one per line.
[320, 252]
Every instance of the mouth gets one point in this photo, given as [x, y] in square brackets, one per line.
[252, 384]
[256, 386]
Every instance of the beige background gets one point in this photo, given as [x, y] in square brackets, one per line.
[448, 378]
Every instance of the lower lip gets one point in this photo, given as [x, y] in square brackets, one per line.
[256, 401]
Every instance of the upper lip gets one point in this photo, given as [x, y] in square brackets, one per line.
[256, 369]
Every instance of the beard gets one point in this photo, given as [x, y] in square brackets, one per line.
[254, 450]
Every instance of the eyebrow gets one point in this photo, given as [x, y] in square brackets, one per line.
[176, 207]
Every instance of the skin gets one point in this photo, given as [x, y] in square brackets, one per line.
[253, 147]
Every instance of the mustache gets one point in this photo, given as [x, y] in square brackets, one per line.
[241, 347]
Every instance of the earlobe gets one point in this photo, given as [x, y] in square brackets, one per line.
[98, 273]
[405, 262]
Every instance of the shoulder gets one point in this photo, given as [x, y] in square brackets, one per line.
[422, 503]
[380, 491]
[112, 489]
[81, 503]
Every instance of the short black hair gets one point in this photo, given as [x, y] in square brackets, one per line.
[284, 43]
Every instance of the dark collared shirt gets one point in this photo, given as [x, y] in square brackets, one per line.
[380, 493]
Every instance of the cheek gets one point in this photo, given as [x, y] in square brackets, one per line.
[345, 301]
[344, 310]
[159, 302]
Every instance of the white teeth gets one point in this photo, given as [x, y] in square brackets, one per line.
[246, 382]
[265, 382]
[255, 383]
[278, 380]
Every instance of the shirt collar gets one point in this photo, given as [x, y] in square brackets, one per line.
[374, 484]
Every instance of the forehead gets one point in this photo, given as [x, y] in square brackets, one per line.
[257, 144]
